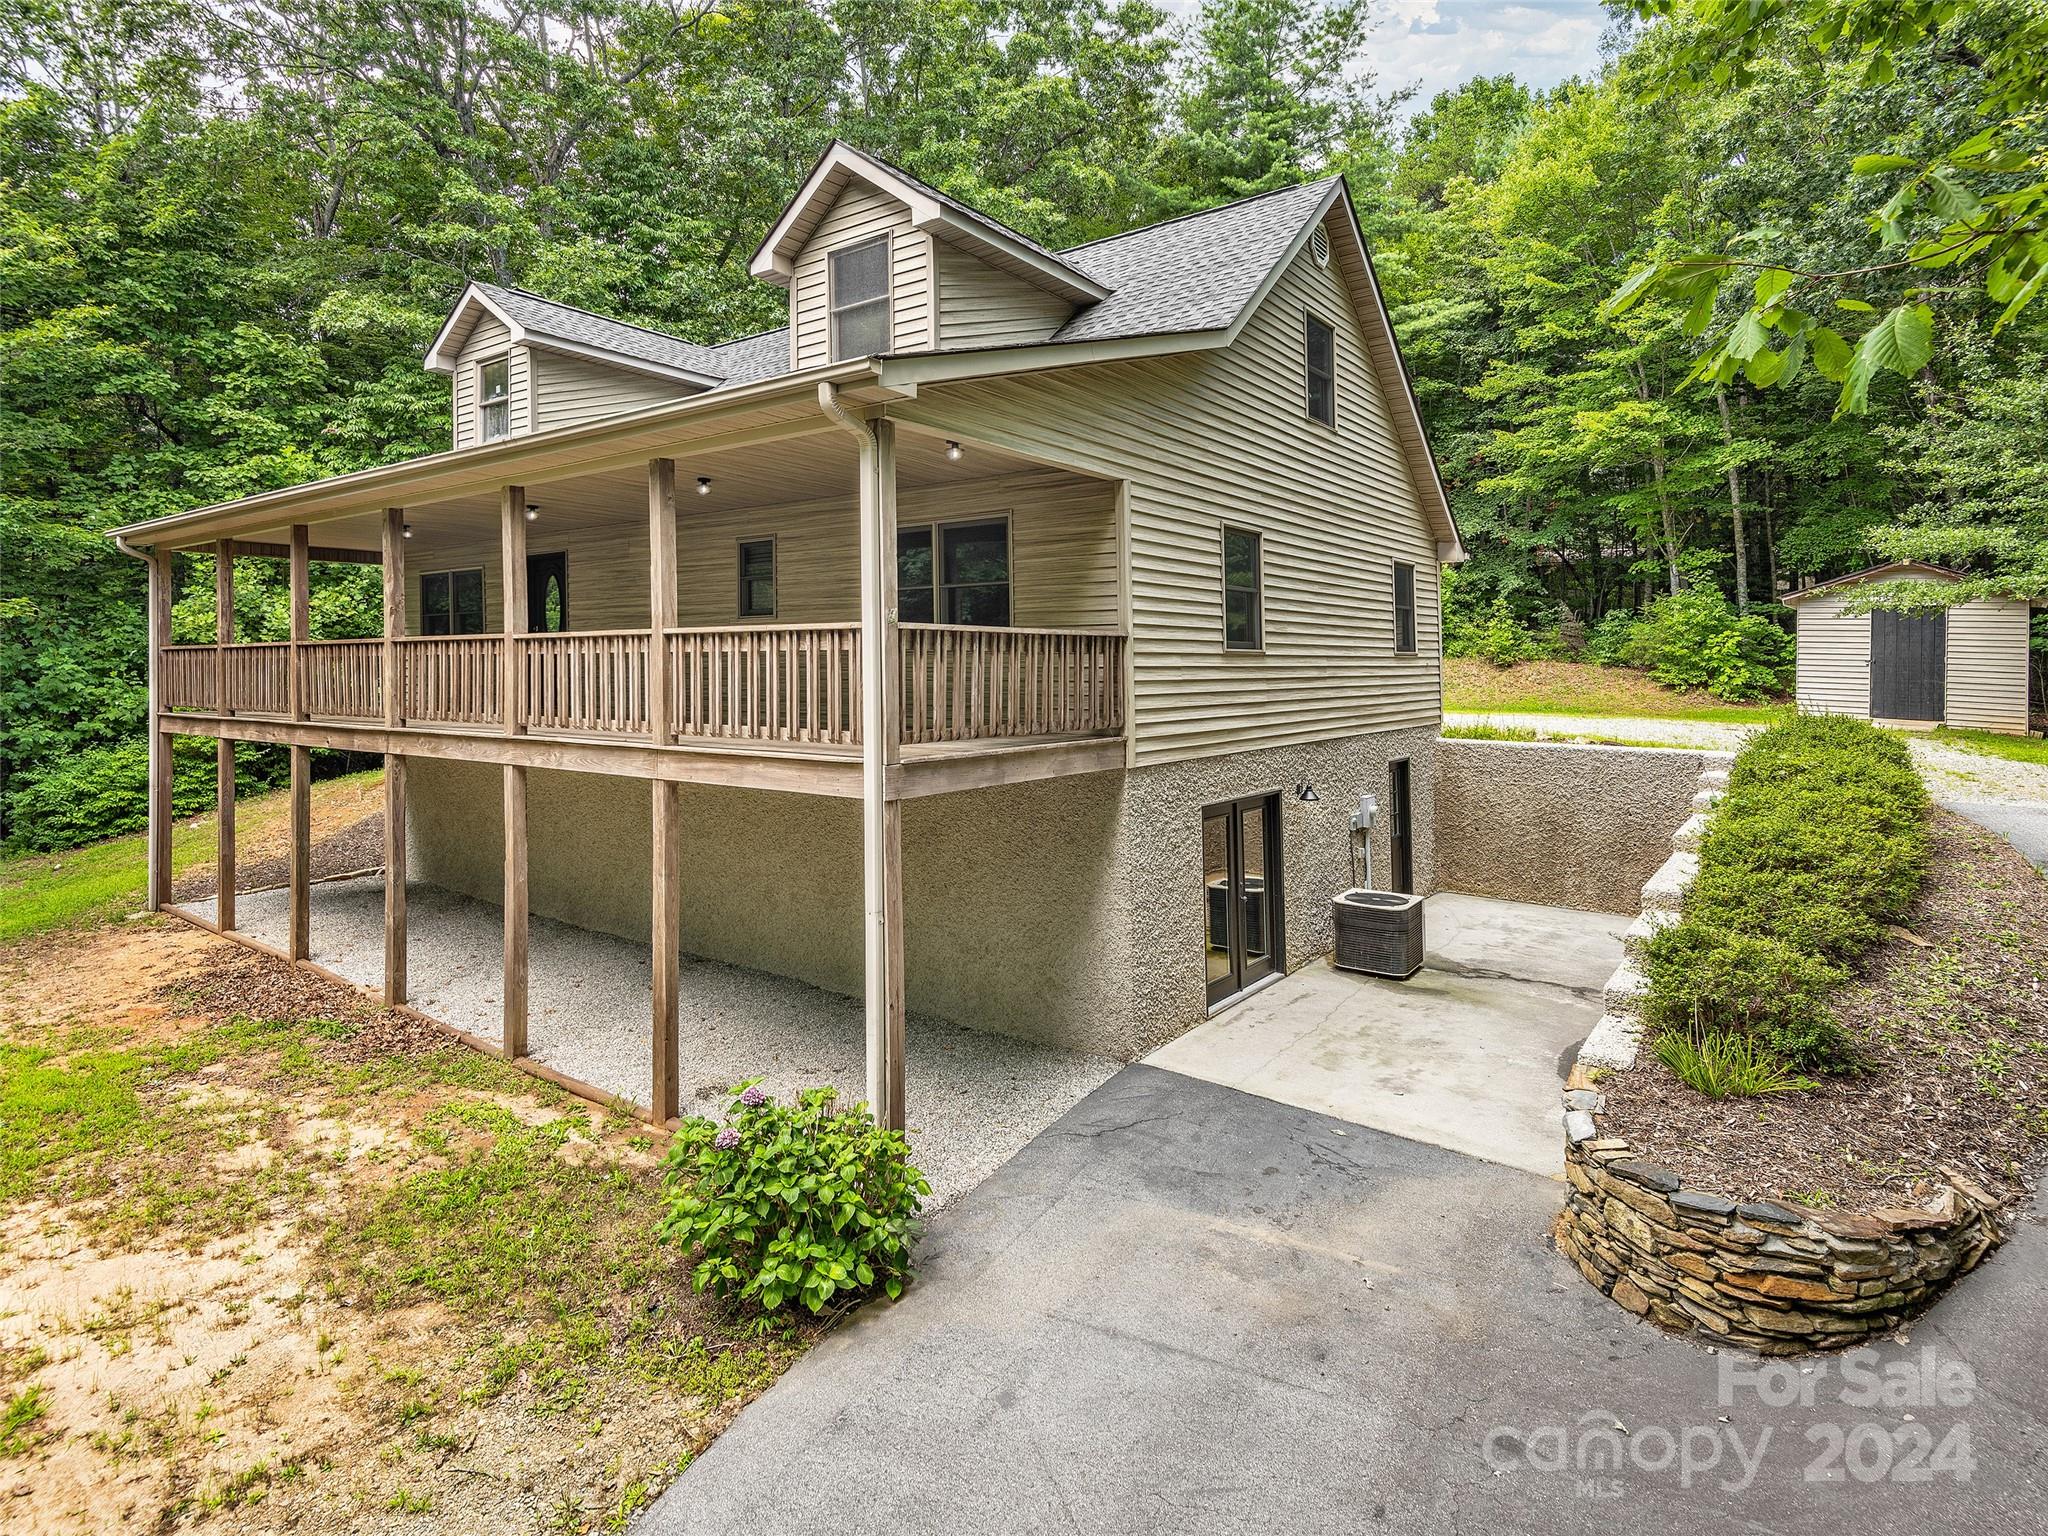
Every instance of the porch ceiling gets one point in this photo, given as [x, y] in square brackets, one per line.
[788, 471]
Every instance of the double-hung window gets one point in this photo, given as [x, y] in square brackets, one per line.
[1404, 608]
[757, 579]
[452, 603]
[1319, 349]
[1244, 625]
[858, 296]
[494, 399]
[954, 573]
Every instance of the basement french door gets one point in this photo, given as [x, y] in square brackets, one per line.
[1241, 893]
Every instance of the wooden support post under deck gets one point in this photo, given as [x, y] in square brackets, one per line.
[512, 554]
[159, 894]
[515, 912]
[394, 764]
[301, 858]
[302, 613]
[881, 759]
[664, 1102]
[224, 749]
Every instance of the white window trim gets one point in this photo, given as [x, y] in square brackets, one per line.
[483, 436]
[887, 298]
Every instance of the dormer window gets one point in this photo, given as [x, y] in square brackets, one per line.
[494, 399]
[859, 299]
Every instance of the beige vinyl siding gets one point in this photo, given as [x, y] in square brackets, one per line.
[860, 214]
[1222, 437]
[1833, 658]
[488, 339]
[1987, 666]
[980, 306]
[570, 390]
[1063, 552]
[1063, 557]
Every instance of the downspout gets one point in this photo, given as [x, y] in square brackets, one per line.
[157, 841]
[881, 825]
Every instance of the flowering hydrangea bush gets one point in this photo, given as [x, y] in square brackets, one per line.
[798, 1201]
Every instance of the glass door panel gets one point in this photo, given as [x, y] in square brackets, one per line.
[1240, 893]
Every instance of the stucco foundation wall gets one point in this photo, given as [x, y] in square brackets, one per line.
[1558, 822]
[1162, 852]
[1067, 910]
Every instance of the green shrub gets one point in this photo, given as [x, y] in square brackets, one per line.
[1695, 639]
[1820, 840]
[1727, 1066]
[104, 791]
[1608, 643]
[791, 1201]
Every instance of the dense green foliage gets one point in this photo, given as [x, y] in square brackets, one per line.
[229, 231]
[791, 1202]
[1820, 840]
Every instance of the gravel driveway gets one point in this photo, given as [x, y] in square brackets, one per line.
[1953, 773]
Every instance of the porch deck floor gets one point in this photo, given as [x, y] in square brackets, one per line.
[973, 1098]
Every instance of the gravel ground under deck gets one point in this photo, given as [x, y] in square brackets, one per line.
[974, 1098]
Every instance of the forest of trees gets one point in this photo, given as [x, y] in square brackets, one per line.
[228, 231]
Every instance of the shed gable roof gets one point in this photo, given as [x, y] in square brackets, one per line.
[1896, 568]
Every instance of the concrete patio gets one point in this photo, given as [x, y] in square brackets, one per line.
[1467, 1054]
[973, 1097]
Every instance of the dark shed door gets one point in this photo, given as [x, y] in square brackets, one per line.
[1908, 666]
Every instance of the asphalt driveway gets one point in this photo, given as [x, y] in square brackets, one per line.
[1185, 1308]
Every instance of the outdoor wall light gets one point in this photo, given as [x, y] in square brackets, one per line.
[953, 450]
[703, 485]
[1305, 792]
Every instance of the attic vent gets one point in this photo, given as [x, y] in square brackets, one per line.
[1319, 246]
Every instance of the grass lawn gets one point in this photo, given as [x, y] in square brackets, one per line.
[266, 1244]
[1580, 688]
[41, 892]
[2017, 749]
[1525, 733]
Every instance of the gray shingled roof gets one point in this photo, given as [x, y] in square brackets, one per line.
[1189, 274]
[544, 318]
[966, 211]
[1194, 273]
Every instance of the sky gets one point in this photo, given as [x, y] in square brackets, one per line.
[1439, 43]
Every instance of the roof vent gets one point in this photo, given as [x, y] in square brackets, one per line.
[1319, 246]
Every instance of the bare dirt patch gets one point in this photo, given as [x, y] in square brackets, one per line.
[348, 835]
[1578, 687]
[274, 1258]
[1952, 1012]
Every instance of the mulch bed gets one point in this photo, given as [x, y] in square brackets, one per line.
[1952, 1012]
[246, 984]
[358, 846]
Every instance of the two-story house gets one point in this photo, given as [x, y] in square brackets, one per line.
[1012, 634]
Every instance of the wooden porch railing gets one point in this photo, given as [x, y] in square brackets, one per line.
[964, 683]
[790, 683]
[795, 683]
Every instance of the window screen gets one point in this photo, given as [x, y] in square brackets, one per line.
[1320, 346]
[860, 299]
[757, 579]
[452, 603]
[1243, 621]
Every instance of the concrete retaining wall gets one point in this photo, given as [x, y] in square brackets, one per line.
[1068, 910]
[1559, 822]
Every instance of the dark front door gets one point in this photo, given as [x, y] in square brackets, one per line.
[1908, 666]
[1399, 848]
[1241, 892]
[547, 593]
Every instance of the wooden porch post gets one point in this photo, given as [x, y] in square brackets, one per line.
[394, 763]
[302, 613]
[515, 912]
[881, 759]
[512, 554]
[224, 749]
[666, 906]
[159, 895]
[301, 860]
[512, 559]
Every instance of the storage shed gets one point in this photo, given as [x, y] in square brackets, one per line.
[1966, 667]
